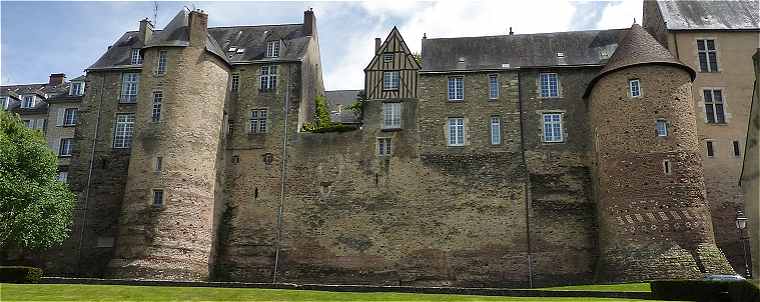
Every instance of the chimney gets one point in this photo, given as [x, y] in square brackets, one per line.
[510, 31]
[309, 23]
[377, 44]
[198, 28]
[56, 79]
[146, 30]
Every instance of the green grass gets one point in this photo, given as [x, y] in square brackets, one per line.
[76, 292]
[624, 287]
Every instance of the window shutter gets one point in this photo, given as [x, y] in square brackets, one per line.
[59, 117]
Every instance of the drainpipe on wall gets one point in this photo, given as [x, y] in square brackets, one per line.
[89, 175]
[283, 173]
[527, 180]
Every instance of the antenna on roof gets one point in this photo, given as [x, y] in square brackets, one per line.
[155, 14]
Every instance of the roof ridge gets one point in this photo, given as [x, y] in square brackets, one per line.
[262, 25]
[544, 33]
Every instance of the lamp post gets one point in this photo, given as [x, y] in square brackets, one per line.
[741, 224]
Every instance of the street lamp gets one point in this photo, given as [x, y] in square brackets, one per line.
[741, 224]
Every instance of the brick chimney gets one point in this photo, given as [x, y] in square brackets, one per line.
[146, 30]
[309, 23]
[56, 79]
[198, 28]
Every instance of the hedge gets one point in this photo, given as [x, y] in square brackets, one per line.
[20, 274]
[701, 290]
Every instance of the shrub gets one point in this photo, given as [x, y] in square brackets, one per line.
[20, 274]
[744, 291]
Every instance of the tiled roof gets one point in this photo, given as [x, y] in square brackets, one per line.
[710, 15]
[590, 47]
[638, 48]
[344, 98]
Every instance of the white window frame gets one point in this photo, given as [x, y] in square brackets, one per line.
[713, 104]
[79, 88]
[123, 130]
[667, 167]
[268, 78]
[391, 80]
[495, 130]
[28, 123]
[384, 146]
[70, 116]
[709, 62]
[554, 126]
[162, 62]
[135, 58]
[65, 147]
[155, 113]
[456, 131]
[455, 88]
[391, 115]
[493, 86]
[158, 197]
[130, 85]
[634, 88]
[235, 83]
[273, 49]
[28, 101]
[661, 127]
[258, 122]
[548, 85]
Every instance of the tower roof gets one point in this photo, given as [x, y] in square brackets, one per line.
[638, 48]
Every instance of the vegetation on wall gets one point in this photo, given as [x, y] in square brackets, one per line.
[322, 122]
[35, 208]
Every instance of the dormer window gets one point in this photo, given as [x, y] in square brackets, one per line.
[273, 49]
[28, 101]
[136, 58]
[77, 88]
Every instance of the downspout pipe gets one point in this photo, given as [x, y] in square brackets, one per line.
[283, 174]
[527, 179]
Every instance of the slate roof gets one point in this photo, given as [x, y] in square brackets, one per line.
[638, 48]
[710, 15]
[344, 98]
[592, 47]
[234, 44]
[16, 92]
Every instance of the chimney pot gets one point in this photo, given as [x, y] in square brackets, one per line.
[56, 79]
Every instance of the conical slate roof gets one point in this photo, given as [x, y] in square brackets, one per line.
[177, 33]
[638, 48]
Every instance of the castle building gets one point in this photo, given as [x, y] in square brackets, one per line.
[501, 161]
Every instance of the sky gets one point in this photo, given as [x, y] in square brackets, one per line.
[40, 38]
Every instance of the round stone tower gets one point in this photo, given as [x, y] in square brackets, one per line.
[654, 221]
[166, 223]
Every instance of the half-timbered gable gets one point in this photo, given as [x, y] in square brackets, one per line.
[392, 73]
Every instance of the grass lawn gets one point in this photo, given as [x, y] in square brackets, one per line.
[69, 292]
[625, 287]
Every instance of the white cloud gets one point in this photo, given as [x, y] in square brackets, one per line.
[620, 14]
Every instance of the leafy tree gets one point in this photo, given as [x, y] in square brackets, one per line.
[35, 208]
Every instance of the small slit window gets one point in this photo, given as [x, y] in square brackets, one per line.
[666, 168]
[158, 198]
[710, 149]
[634, 88]
[159, 164]
[737, 152]
[661, 127]
[384, 146]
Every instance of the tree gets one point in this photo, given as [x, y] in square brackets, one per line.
[35, 208]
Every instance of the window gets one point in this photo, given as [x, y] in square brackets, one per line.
[235, 83]
[391, 115]
[634, 88]
[63, 176]
[493, 86]
[159, 164]
[384, 146]
[666, 167]
[387, 57]
[28, 101]
[136, 58]
[122, 137]
[495, 130]
[552, 127]
[268, 77]
[662, 127]
[456, 88]
[70, 116]
[456, 131]
[161, 62]
[258, 121]
[273, 49]
[77, 88]
[714, 110]
[390, 80]
[737, 153]
[549, 85]
[710, 149]
[29, 123]
[5, 102]
[708, 56]
[129, 85]
[158, 97]
[65, 148]
[158, 198]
